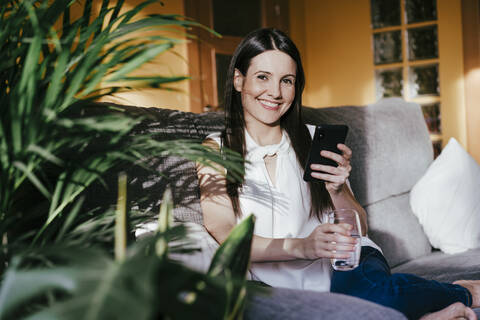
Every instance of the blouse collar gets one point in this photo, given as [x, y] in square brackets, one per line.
[256, 152]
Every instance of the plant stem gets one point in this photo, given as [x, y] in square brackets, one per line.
[121, 219]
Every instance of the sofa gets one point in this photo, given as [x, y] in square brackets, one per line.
[392, 150]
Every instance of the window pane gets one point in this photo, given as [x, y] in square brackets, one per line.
[222, 63]
[236, 18]
[421, 10]
[387, 47]
[423, 80]
[431, 113]
[385, 13]
[422, 43]
[388, 83]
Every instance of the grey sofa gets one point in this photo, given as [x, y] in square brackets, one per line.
[392, 150]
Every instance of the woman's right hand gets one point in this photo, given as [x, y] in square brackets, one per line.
[328, 241]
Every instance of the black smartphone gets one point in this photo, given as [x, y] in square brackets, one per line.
[326, 137]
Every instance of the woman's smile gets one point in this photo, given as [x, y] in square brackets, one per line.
[269, 105]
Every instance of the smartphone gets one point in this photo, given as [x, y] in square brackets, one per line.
[326, 137]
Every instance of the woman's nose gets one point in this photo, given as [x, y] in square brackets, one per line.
[275, 90]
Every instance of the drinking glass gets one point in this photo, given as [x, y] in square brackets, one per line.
[351, 217]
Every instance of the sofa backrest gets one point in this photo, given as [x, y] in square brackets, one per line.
[391, 145]
[391, 149]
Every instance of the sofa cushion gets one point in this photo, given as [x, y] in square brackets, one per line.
[396, 230]
[290, 304]
[444, 267]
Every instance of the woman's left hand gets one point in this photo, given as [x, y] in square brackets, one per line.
[334, 177]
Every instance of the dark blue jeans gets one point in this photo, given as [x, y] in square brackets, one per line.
[407, 293]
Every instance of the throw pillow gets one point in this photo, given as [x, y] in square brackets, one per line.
[446, 200]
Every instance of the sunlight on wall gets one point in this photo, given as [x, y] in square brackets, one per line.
[473, 114]
[473, 75]
[338, 53]
[297, 28]
[171, 63]
[452, 89]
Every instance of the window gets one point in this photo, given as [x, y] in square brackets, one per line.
[406, 58]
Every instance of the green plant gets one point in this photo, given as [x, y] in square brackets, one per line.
[49, 76]
[52, 68]
[143, 283]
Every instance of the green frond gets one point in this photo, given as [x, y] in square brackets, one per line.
[53, 148]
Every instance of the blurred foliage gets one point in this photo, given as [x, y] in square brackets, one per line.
[56, 256]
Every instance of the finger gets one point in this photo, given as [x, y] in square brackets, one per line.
[338, 246]
[331, 232]
[329, 177]
[339, 171]
[338, 239]
[341, 228]
[324, 168]
[332, 254]
[334, 156]
[343, 247]
[470, 314]
[346, 151]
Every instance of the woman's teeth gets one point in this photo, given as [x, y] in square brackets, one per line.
[270, 104]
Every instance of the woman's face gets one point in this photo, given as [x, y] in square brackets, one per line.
[268, 88]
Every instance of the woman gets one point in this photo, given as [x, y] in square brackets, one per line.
[291, 247]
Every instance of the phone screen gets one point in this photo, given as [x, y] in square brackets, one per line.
[326, 137]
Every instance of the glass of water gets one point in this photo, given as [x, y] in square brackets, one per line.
[351, 217]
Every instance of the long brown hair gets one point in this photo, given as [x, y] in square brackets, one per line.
[233, 137]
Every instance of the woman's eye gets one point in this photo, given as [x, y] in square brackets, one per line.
[287, 81]
[262, 77]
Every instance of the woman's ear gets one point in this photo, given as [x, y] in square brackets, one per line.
[238, 80]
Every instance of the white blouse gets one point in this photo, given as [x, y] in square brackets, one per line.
[281, 211]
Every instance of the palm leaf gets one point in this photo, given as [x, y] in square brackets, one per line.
[233, 254]
[139, 287]
[52, 150]
[231, 260]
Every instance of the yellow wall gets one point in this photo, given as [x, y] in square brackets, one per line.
[297, 28]
[452, 89]
[336, 45]
[169, 64]
[473, 113]
[337, 52]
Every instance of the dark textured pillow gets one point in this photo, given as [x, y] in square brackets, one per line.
[146, 187]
